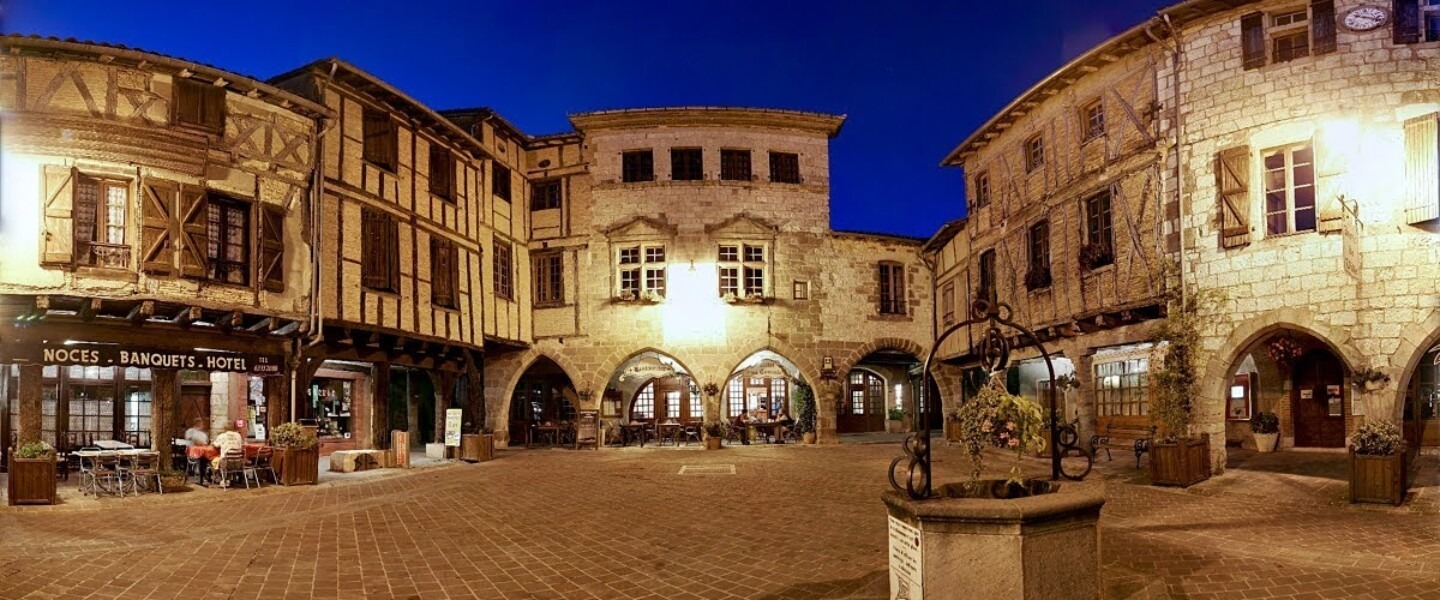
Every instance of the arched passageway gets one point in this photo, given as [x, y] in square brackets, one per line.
[544, 395]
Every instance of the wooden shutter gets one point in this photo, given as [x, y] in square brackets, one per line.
[1406, 20]
[270, 270]
[442, 272]
[1252, 40]
[213, 107]
[192, 230]
[1232, 186]
[1422, 169]
[57, 245]
[157, 210]
[442, 172]
[377, 263]
[1322, 28]
[381, 142]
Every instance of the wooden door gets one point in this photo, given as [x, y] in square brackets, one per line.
[862, 409]
[194, 404]
[1317, 399]
[674, 400]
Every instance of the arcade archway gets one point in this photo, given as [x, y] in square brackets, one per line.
[544, 395]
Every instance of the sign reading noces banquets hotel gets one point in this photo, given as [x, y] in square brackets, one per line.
[108, 355]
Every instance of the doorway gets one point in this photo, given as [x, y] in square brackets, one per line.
[194, 404]
[1317, 397]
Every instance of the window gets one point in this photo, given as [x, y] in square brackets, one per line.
[1290, 35]
[545, 195]
[1237, 398]
[947, 304]
[380, 267]
[444, 273]
[644, 405]
[686, 164]
[637, 165]
[1099, 236]
[504, 271]
[1292, 46]
[735, 397]
[1034, 153]
[199, 104]
[500, 181]
[784, 167]
[1038, 275]
[1287, 34]
[742, 270]
[227, 249]
[1120, 387]
[1430, 20]
[801, 290]
[549, 279]
[1289, 190]
[641, 270]
[101, 210]
[987, 275]
[735, 165]
[1093, 119]
[892, 288]
[982, 189]
[442, 173]
[382, 142]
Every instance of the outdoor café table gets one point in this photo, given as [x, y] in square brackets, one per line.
[772, 426]
[112, 445]
[669, 430]
[250, 450]
[631, 431]
[542, 430]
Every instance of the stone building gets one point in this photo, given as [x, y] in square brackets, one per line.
[1288, 161]
[155, 244]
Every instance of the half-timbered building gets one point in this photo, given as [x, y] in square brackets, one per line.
[155, 244]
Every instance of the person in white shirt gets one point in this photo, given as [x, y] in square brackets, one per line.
[195, 435]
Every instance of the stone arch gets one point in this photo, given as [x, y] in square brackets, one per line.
[616, 359]
[878, 344]
[527, 360]
[1413, 345]
[735, 357]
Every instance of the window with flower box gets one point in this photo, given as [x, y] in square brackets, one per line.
[742, 269]
[641, 271]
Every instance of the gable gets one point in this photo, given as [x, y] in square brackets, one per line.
[742, 226]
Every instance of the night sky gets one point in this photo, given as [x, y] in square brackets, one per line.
[914, 78]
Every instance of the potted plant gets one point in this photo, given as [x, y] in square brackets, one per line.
[172, 480]
[1265, 426]
[1094, 256]
[32, 474]
[714, 434]
[1377, 464]
[1371, 379]
[1177, 457]
[996, 418]
[896, 420]
[297, 454]
[803, 397]
[1037, 277]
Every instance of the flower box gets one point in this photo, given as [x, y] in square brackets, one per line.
[295, 466]
[31, 481]
[1378, 478]
[1180, 463]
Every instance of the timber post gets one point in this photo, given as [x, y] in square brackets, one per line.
[165, 409]
[380, 412]
[444, 382]
[277, 405]
[474, 393]
[30, 390]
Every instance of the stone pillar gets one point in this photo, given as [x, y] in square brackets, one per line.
[380, 412]
[164, 408]
[1043, 547]
[30, 392]
[826, 394]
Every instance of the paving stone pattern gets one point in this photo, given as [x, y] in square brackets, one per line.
[793, 523]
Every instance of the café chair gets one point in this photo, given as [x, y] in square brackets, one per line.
[146, 467]
[231, 464]
[691, 432]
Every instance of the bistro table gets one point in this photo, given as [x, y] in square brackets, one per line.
[670, 429]
[543, 430]
[774, 427]
[112, 445]
[630, 431]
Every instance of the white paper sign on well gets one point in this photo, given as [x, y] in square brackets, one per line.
[905, 562]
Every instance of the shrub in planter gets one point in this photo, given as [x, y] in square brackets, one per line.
[896, 420]
[297, 456]
[1266, 428]
[714, 434]
[1176, 457]
[31, 474]
[803, 397]
[1378, 464]
[1094, 256]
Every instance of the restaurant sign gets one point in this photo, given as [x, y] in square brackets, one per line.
[647, 368]
[112, 355]
[766, 369]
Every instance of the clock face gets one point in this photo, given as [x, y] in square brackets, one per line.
[1365, 18]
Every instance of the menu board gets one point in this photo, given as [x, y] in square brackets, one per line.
[452, 427]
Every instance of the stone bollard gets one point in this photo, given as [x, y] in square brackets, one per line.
[1043, 547]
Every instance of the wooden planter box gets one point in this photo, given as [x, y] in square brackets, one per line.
[1378, 479]
[297, 467]
[32, 480]
[713, 443]
[1184, 463]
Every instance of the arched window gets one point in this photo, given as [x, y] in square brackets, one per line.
[750, 393]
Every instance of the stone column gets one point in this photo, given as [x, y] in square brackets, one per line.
[164, 408]
[826, 394]
[30, 392]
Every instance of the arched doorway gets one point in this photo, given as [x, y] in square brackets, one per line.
[668, 399]
[1422, 402]
[862, 406]
[761, 382]
[544, 394]
[1317, 396]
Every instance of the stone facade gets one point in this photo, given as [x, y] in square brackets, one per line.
[1355, 277]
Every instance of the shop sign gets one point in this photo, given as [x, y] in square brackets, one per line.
[452, 427]
[106, 355]
[648, 368]
[1350, 230]
[906, 578]
[766, 369]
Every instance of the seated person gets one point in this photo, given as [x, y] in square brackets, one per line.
[228, 442]
[196, 435]
[783, 417]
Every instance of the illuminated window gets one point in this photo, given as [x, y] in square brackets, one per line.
[1120, 387]
[641, 269]
[1289, 190]
[644, 406]
[742, 269]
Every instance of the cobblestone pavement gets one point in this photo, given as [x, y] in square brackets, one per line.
[792, 522]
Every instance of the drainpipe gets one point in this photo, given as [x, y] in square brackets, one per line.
[1179, 128]
[317, 239]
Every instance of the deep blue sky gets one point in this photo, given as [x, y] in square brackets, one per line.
[915, 78]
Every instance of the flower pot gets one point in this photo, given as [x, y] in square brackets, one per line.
[1267, 442]
[1378, 478]
[31, 481]
[1180, 463]
[713, 443]
[894, 426]
[808, 437]
[294, 466]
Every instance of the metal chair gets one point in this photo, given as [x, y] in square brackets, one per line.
[108, 469]
[146, 467]
[231, 464]
[691, 433]
[262, 462]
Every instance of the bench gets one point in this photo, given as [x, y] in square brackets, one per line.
[350, 461]
[1135, 438]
